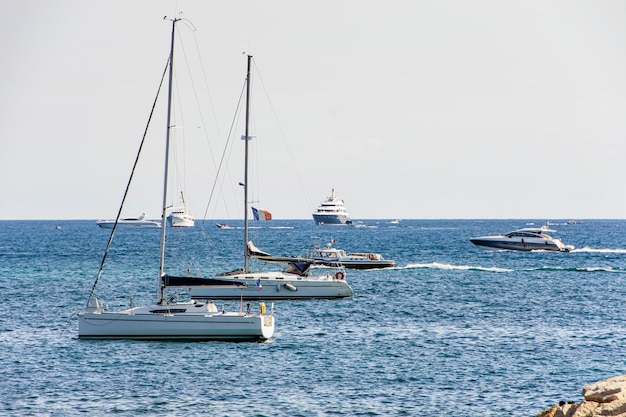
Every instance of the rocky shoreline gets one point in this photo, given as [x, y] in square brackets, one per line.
[603, 398]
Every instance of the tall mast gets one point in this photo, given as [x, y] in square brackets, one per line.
[161, 288]
[245, 174]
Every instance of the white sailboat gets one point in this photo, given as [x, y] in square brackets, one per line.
[180, 216]
[295, 282]
[167, 319]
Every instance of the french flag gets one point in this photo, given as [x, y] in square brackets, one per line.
[261, 215]
[258, 284]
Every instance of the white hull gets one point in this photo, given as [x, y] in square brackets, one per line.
[334, 257]
[331, 219]
[197, 323]
[181, 219]
[527, 239]
[521, 244]
[332, 211]
[108, 224]
[275, 286]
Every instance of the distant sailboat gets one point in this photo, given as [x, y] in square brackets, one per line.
[167, 319]
[180, 216]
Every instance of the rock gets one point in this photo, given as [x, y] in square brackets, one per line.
[612, 389]
[603, 398]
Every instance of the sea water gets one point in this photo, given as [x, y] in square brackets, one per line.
[453, 329]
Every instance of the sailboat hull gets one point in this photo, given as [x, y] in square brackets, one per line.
[141, 324]
[274, 289]
[274, 286]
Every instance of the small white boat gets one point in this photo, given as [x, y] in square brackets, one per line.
[332, 211]
[334, 257]
[223, 226]
[180, 217]
[526, 239]
[129, 222]
[327, 256]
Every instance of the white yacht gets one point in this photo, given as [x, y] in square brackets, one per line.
[526, 239]
[332, 211]
[130, 222]
[179, 217]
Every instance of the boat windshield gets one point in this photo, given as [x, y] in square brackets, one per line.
[525, 234]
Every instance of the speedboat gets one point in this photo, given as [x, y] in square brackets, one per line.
[332, 211]
[129, 222]
[526, 239]
[180, 217]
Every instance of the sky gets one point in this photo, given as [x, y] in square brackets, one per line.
[408, 109]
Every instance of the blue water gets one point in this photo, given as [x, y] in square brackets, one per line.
[452, 330]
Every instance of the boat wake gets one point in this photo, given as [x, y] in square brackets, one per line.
[593, 250]
[579, 269]
[437, 265]
[449, 267]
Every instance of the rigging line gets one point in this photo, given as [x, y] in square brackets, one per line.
[181, 174]
[282, 136]
[179, 142]
[119, 212]
[201, 113]
[202, 230]
[215, 118]
[228, 139]
[206, 86]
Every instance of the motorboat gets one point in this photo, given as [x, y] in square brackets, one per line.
[223, 226]
[295, 281]
[330, 256]
[171, 317]
[130, 222]
[327, 256]
[526, 239]
[180, 217]
[332, 211]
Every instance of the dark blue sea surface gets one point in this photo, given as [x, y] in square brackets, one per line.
[451, 330]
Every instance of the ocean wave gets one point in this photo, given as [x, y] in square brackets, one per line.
[437, 265]
[602, 250]
[578, 269]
